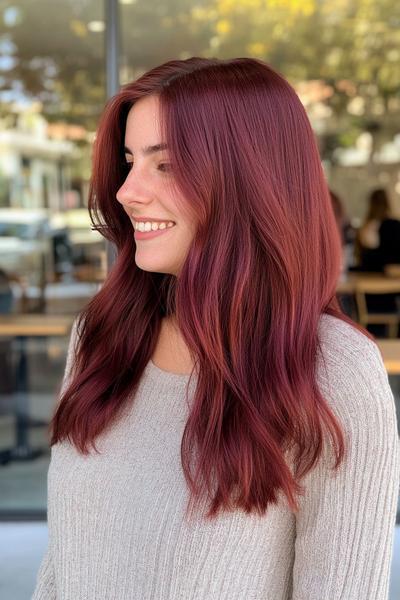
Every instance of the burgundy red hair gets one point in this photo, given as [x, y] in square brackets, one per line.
[261, 270]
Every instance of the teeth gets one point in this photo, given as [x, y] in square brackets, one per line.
[152, 226]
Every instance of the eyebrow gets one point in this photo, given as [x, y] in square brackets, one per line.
[148, 149]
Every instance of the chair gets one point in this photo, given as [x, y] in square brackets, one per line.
[392, 270]
[377, 286]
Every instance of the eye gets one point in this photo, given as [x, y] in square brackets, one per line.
[127, 164]
[164, 167]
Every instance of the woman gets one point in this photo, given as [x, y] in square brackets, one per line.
[224, 431]
[377, 245]
[378, 239]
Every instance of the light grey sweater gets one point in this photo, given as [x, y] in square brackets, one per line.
[116, 526]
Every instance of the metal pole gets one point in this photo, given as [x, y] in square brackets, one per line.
[112, 41]
[112, 46]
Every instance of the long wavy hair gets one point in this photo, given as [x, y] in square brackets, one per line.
[261, 269]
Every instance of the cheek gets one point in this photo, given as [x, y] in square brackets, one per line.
[188, 234]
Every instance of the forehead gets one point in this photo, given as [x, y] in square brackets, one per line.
[143, 122]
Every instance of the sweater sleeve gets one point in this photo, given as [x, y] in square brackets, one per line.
[45, 582]
[45, 588]
[346, 522]
[69, 363]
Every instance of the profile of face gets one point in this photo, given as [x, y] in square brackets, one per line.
[148, 194]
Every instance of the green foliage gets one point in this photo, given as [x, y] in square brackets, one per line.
[353, 45]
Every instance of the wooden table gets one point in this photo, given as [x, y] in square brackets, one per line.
[382, 283]
[33, 325]
[391, 354]
[22, 327]
[90, 274]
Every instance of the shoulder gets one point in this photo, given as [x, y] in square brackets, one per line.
[74, 336]
[351, 373]
[71, 351]
[76, 329]
[345, 344]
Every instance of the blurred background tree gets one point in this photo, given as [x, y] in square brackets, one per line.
[352, 47]
[342, 56]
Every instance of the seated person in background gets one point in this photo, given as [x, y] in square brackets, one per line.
[378, 239]
[347, 235]
[346, 231]
[377, 245]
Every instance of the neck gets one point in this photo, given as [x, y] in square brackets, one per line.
[172, 353]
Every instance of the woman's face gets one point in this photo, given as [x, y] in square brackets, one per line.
[148, 193]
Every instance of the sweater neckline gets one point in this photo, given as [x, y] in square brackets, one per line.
[153, 369]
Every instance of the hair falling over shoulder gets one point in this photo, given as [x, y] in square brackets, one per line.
[262, 268]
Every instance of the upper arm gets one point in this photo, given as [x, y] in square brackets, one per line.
[71, 354]
[345, 525]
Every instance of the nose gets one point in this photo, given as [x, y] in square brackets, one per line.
[132, 191]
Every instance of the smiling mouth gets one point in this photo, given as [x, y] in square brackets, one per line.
[139, 226]
[144, 235]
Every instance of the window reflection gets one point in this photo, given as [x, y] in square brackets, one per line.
[52, 90]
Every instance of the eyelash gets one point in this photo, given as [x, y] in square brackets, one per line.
[128, 165]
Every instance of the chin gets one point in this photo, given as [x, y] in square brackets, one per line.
[155, 269]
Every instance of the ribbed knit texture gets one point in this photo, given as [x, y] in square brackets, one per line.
[116, 520]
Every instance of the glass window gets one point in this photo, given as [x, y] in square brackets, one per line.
[52, 91]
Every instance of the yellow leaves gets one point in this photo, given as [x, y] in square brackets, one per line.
[334, 57]
[257, 49]
[78, 28]
[292, 7]
[223, 26]
[204, 13]
[227, 7]
[295, 7]
[275, 18]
